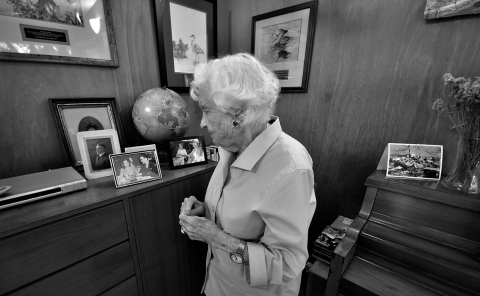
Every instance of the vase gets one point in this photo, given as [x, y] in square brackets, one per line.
[465, 175]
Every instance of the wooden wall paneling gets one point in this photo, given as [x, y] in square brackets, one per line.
[127, 288]
[376, 69]
[30, 256]
[89, 277]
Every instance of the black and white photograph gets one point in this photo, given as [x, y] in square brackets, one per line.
[416, 161]
[80, 115]
[283, 40]
[186, 152]
[95, 148]
[135, 167]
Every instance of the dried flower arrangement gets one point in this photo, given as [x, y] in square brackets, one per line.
[463, 109]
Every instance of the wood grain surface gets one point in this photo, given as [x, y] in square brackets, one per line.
[53, 247]
[170, 263]
[127, 288]
[87, 278]
[376, 69]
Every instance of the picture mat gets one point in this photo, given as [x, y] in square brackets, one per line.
[295, 68]
[397, 149]
[84, 42]
[82, 137]
[197, 26]
[117, 159]
[74, 115]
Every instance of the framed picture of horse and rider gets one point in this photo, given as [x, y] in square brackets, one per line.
[184, 44]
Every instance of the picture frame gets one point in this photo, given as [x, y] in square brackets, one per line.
[58, 32]
[283, 40]
[95, 148]
[74, 115]
[414, 161]
[136, 167]
[175, 56]
[186, 152]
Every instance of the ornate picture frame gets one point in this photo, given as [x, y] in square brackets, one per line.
[69, 32]
[176, 56]
[186, 152]
[77, 115]
[137, 167]
[283, 40]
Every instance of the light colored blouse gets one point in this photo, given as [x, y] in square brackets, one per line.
[265, 197]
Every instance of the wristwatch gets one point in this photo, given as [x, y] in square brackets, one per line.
[237, 255]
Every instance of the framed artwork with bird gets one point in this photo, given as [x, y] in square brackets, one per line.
[283, 40]
[186, 37]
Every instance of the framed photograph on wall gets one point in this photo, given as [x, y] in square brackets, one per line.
[283, 40]
[184, 44]
[416, 161]
[186, 152]
[95, 148]
[135, 167]
[79, 115]
[67, 31]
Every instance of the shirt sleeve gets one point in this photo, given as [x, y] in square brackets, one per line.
[287, 211]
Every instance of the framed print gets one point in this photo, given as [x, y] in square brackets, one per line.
[95, 147]
[79, 115]
[135, 167]
[186, 152]
[184, 44]
[283, 40]
[415, 161]
[58, 31]
[141, 148]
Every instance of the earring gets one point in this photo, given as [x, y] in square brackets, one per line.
[235, 123]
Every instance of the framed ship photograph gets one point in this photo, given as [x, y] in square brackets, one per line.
[416, 161]
[283, 40]
[66, 31]
[184, 44]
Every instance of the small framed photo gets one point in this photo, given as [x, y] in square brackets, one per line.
[417, 161]
[131, 168]
[95, 147]
[141, 148]
[186, 152]
[79, 115]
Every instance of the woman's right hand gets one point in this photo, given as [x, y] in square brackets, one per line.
[192, 207]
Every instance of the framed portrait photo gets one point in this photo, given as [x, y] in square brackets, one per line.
[79, 115]
[184, 44]
[54, 31]
[283, 40]
[135, 167]
[95, 148]
[186, 152]
[415, 161]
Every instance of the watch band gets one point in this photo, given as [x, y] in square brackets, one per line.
[237, 255]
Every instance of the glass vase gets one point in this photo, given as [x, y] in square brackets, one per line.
[465, 175]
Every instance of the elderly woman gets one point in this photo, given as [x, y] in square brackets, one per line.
[260, 199]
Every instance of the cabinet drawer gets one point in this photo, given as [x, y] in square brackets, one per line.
[42, 251]
[127, 288]
[89, 277]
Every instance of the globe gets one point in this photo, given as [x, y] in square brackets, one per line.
[160, 113]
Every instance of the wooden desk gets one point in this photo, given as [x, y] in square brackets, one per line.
[104, 240]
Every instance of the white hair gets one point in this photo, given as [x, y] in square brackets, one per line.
[239, 84]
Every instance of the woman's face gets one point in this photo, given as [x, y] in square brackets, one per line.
[180, 146]
[195, 144]
[125, 164]
[219, 125]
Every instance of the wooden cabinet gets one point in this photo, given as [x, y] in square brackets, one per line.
[104, 240]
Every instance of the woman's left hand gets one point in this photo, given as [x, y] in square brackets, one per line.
[199, 228]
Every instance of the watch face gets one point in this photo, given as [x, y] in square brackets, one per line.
[236, 258]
